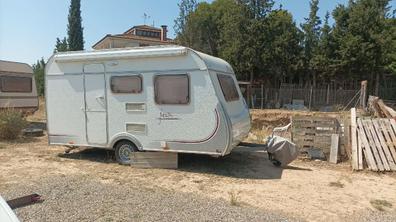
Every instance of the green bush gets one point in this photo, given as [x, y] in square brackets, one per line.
[12, 123]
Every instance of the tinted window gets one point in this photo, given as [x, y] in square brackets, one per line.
[172, 89]
[228, 87]
[126, 84]
[16, 84]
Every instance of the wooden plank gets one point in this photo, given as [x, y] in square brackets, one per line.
[393, 123]
[366, 147]
[383, 108]
[378, 145]
[389, 142]
[360, 151]
[355, 165]
[383, 144]
[391, 132]
[154, 160]
[334, 148]
[373, 147]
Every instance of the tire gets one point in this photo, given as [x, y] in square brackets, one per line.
[274, 161]
[122, 151]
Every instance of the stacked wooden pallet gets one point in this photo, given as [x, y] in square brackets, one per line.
[373, 143]
[314, 132]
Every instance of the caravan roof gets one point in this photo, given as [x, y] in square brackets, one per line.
[142, 52]
[14, 67]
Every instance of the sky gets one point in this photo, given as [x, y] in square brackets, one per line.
[29, 28]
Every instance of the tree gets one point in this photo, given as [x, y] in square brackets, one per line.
[74, 28]
[364, 40]
[282, 54]
[38, 72]
[186, 7]
[311, 29]
[258, 8]
[324, 55]
[255, 35]
[61, 45]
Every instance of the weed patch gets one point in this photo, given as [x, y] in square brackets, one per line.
[336, 184]
[380, 204]
[11, 124]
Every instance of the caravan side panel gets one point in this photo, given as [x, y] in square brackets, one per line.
[65, 109]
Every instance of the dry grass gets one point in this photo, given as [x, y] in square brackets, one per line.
[380, 205]
[234, 198]
[40, 114]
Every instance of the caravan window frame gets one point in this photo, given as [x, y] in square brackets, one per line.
[227, 97]
[3, 77]
[155, 79]
[126, 76]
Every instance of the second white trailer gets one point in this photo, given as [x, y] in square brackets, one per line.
[162, 98]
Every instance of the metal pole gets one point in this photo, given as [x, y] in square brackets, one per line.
[310, 98]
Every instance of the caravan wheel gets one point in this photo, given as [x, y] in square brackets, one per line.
[123, 150]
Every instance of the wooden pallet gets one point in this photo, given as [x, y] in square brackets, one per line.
[314, 132]
[376, 145]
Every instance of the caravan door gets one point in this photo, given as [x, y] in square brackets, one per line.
[95, 104]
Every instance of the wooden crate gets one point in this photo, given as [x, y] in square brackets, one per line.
[165, 160]
[314, 132]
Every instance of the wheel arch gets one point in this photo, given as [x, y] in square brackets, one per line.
[125, 136]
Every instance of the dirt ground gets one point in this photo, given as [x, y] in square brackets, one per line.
[305, 190]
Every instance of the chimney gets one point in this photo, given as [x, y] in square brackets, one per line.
[164, 30]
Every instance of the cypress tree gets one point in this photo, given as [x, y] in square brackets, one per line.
[74, 28]
[61, 45]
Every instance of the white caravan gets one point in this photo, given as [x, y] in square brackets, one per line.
[17, 87]
[160, 98]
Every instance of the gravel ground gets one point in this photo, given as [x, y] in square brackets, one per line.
[83, 198]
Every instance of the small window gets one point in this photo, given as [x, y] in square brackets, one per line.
[16, 84]
[172, 89]
[228, 87]
[126, 84]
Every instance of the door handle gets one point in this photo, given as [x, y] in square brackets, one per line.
[100, 100]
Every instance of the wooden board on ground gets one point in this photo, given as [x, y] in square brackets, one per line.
[154, 160]
[334, 148]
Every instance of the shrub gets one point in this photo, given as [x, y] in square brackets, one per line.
[12, 123]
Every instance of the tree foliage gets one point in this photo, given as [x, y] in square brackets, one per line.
[61, 45]
[74, 28]
[265, 44]
[38, 72]
[184, 34]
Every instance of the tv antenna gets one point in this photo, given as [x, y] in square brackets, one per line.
[145, 18]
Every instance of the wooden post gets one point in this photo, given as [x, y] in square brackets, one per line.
[310, 98]
[354, 147]
[363, 94]
[262, 96]
[334, 148]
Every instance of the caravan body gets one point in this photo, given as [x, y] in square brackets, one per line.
[162, 98]
[17, 87]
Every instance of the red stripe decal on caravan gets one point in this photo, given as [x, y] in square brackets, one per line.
[207, 138]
